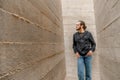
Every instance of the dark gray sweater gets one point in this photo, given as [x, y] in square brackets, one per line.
[83, 43]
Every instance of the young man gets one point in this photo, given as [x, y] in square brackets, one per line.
[83, 46]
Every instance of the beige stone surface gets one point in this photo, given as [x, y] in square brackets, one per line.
[31, 40]
[108, 34]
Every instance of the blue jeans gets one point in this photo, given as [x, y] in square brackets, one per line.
[84, 65]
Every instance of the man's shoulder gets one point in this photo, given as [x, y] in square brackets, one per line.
[88, 32]
[75, 33]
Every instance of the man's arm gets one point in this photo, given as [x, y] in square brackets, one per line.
[93, 44]
[74, 44]
[74, 47]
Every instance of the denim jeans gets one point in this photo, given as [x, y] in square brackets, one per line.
[84, 65]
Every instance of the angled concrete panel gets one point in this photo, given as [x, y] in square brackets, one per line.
[108, 34]
[31, 40]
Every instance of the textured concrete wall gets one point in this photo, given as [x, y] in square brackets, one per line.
[107, 14]
[74, 10]
[31, 40]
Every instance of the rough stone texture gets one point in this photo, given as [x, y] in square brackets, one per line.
[107, 13]
[31, 40]
[74, 10]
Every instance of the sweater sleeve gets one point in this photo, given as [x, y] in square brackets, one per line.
[74, 44]
[93, 44]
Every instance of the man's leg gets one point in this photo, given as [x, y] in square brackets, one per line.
[80, 68]
[88, 67]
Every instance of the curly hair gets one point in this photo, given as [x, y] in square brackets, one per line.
[83, 23]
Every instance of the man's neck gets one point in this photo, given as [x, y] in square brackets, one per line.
[81, 30]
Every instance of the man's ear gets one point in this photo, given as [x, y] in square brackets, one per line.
[82, 26]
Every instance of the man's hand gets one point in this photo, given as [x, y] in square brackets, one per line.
[89, 53]
[77, 55]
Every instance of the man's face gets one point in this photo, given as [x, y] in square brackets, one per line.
[78, 26]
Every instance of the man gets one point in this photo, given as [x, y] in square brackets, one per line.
[83, 46]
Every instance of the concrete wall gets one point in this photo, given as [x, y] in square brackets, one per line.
[107, 13]
[31, 40]
[74, 10]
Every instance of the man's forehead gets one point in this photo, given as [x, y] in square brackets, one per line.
[78, 23]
